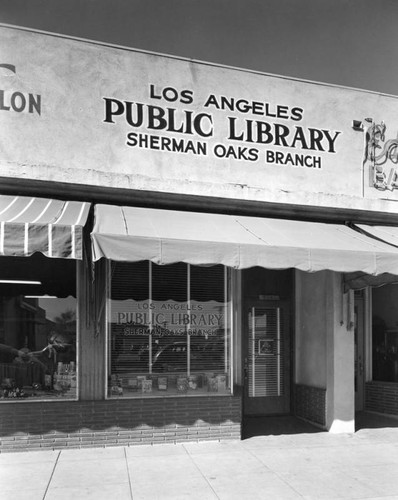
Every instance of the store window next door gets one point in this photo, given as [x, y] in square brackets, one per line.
[376, 349]
[359, 313]
[266, 342]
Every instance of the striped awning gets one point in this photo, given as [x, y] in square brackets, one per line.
[51, 227]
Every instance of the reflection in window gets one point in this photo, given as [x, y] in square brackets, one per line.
[37, 328]
[169, 330]
[385, 333]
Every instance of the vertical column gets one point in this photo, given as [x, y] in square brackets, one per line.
[340, 390]
[324, 351]
[237, 326]
[92, 331]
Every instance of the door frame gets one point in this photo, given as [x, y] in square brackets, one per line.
[359, 346]
[279, 408]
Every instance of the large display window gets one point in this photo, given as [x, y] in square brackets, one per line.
[385, 333]
[169, 330]
[38, 328]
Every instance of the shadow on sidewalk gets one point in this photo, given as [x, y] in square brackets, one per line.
[288, 424]
[275, 426]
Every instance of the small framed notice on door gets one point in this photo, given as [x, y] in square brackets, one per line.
[266, 347]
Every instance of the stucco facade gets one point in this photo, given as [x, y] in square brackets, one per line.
[287, 178]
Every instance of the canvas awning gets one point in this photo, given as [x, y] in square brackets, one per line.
[359, 280]
[388, 234]
[165, 236]
[52, 227]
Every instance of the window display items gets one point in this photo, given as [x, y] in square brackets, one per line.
[385, 333]
[38, 331]
[162, 383]
[182, 384]
[146, 386]
[169, 325]
[193, 382]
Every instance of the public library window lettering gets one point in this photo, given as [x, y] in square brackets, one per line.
[37, 328]
[169, 330]
[385, 333]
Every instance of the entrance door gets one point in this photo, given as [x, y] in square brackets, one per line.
[266, 359]
[359, 351]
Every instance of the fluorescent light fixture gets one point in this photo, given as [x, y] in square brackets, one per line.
[41, 297]
[21, 282]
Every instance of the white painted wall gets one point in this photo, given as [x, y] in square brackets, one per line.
[68, 138]
[325, 345]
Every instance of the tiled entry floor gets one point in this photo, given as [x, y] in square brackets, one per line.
[287, 424]
[275, 426]
[367, 420]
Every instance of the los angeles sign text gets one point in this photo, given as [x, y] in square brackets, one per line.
[190, 132]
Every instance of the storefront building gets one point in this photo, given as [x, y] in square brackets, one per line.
[184, 246]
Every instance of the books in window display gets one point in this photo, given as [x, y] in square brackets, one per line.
[62, 382]
[132, 384]
[116, 390]
[193, 382]
[221, 382]
[162, 383]
[212, 384]
[146, 386]
[182, 384]
[217, 383]
[140, 380]
[115, 386]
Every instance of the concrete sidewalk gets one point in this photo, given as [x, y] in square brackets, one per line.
[304, 465]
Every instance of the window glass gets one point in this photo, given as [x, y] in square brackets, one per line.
[37, 328]
[169, 330]
[385, 333]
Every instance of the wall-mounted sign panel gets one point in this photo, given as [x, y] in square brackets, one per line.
[81, 112]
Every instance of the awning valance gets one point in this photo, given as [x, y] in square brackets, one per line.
[165, 236]
[359, 280]
[52, 227]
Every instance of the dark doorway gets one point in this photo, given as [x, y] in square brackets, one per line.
[368, 420]
[275, 426]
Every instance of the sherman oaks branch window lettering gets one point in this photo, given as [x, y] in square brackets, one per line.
[169, 330]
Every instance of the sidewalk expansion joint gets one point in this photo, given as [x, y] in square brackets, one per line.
[52, 474]
[201, 473]
[128, 472]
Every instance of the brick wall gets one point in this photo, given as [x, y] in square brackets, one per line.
[78, 424]
[310, 403]
[382, 397]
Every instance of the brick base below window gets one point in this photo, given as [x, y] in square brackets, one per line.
[32, 426]
[382, 397]
[310, 403]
